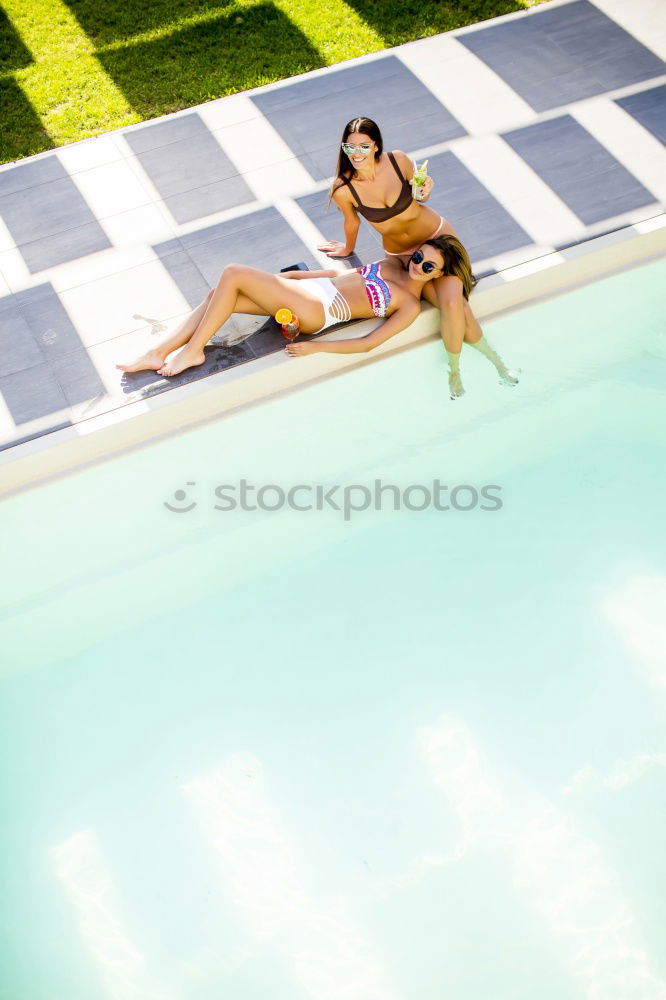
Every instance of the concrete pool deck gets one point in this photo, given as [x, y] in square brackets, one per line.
[543, 129]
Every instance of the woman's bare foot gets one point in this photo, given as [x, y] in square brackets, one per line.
[186, 358]
[151, 359]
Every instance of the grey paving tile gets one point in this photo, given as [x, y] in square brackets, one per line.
[72, 244]
[186, 164]
[147, 137]
[267, 242]
[18, 347]
[42, 170]
[266, 340]
[216, 197]
[33, 393]
[483, 224]
[580, 248]
[578, 169]
[575, 45]
[77, 376]
[140, 385]
[293, 92]
[47, 216]
[329, 222]
[311, 114]
[259, 239]
[48, 321]
[185, 273]
[649, 108]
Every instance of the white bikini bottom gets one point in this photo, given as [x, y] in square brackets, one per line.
[336, 307]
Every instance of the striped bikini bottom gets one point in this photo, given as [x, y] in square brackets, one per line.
[336, 307]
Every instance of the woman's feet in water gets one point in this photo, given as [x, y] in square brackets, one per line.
[507, 377]
[456, 388]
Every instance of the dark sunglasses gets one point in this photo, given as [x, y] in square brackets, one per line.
[427, 266]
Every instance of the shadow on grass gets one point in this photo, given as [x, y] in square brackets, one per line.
[400, 21]
[13, 53]
[22, 132]
[207, 61]
[116, 20]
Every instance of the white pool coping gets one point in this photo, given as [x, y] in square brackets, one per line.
[139, 424]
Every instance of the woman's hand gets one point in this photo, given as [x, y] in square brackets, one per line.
[335, 249]
[300, 350]
[426, 189]
[292, 274]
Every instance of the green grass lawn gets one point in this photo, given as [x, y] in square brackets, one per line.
[71, 69]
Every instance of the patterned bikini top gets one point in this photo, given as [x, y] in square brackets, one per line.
[378, 292]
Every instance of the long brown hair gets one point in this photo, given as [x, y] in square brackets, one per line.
[456, 260]
[345, 169]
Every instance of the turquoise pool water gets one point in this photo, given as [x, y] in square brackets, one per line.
[412, 754]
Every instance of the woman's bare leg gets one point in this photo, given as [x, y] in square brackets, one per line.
[459, 325]
[447, 294]
[154, 358]
[236, 286]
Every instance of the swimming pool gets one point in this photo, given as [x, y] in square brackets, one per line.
[407, 754]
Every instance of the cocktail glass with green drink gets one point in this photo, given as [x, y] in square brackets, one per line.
[419, 178]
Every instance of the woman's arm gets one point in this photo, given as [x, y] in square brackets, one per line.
[406, 164]
[308, 274]
[399, 321]
[351, 224]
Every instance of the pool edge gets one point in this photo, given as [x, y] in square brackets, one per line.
[35, 462]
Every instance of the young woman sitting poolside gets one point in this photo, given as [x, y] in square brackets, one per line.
[389, 289]
[376, 185]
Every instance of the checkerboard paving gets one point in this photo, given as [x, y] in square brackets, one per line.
[542, 128]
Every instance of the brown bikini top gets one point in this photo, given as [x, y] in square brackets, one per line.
[383, 214]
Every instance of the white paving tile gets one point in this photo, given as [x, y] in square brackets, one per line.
[512, 258]
[645, 20]
[307, 231]
[517, 187]
[14, 271]
[75, 272]
[104, 309]
[141, 227]
[6, 238]
[109, 419]
[279, 180]
[260, 154]
[89, 154]
[8, 430]
[4, 287]
[635, 148]
[472, 92]
[649, 225]
[111, 188]
[127, 346]
[228, 111]
[532, 266]
[140, 174]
